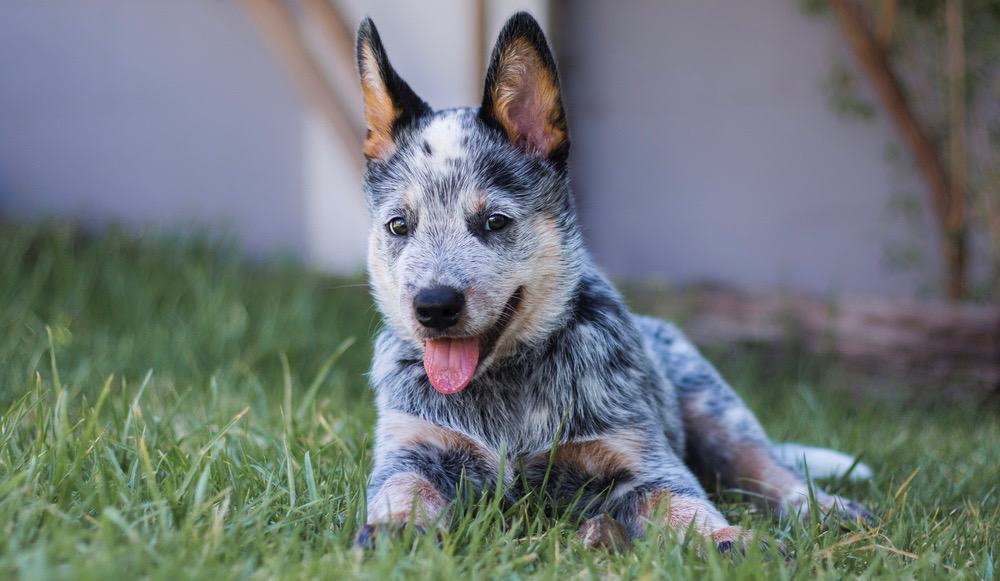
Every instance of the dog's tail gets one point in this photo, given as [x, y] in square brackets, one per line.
[822, 463]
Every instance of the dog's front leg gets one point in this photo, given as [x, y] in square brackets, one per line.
[628, 479]
[405, 496]
[418, 469]
[665, 492]
[680, 509]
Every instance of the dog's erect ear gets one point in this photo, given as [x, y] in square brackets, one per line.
[522, 96]
[389, 102]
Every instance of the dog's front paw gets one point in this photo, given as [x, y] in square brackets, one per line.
[737, 540]
[603, 532]
[372, 533]
[732, 540]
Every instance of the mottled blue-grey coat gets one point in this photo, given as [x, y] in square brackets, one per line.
[478, 201]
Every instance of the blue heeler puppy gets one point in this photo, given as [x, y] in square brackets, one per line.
[503, 337]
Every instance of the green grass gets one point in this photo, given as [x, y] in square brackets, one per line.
[168, 410]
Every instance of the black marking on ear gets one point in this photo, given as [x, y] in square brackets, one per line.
[522, 53]
[390, 103]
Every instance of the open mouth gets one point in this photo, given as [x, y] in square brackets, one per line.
[451, 362]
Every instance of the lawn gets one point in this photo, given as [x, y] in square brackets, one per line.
[169, 410]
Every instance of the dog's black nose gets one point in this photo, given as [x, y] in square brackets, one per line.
[439, 307]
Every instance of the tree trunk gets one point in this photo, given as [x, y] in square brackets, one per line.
[957, 134]
[874, 62]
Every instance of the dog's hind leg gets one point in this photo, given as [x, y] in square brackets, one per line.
[723, 437]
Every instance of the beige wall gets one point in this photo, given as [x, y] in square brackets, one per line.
[703, 144]
[705, 149]
[178, 114]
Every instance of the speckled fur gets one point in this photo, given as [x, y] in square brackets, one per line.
[628, 401]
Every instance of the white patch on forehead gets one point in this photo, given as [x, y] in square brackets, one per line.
[444, 137]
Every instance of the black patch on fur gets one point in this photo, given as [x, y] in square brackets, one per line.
[443, 468]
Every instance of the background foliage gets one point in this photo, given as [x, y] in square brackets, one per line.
[913, 35]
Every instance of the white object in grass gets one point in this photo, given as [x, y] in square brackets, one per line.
[822, 463]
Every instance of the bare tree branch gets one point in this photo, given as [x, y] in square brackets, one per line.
[875, 64]
[886, 22]
[278, 26]
[957, 116]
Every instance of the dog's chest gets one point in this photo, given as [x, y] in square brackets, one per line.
[517, 426]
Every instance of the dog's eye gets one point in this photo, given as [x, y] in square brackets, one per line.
[496, 222]
[398, 226]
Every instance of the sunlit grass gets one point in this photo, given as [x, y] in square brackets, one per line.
[168, 410]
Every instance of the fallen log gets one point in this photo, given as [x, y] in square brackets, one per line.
[928, 344]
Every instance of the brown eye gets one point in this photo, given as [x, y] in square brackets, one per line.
[496, 222]
[398, 226]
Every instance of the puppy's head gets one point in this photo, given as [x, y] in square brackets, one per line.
[473, 248]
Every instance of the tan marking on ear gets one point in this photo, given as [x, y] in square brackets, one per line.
[526, 99]
[380, 112]
[407, 497]
[681, 511]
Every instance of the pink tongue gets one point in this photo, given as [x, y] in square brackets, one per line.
[450, 363]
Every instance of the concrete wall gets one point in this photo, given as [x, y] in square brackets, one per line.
[703, 144]
[173, 114]
[704, 149]
[151, 112]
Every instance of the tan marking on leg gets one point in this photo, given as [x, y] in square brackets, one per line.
[760, 473]
[597, 458]
[397, 430]
[681, 511]
[610, 455]
[629, 445]
[753, 468]
[407, 497]
[785, 490]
